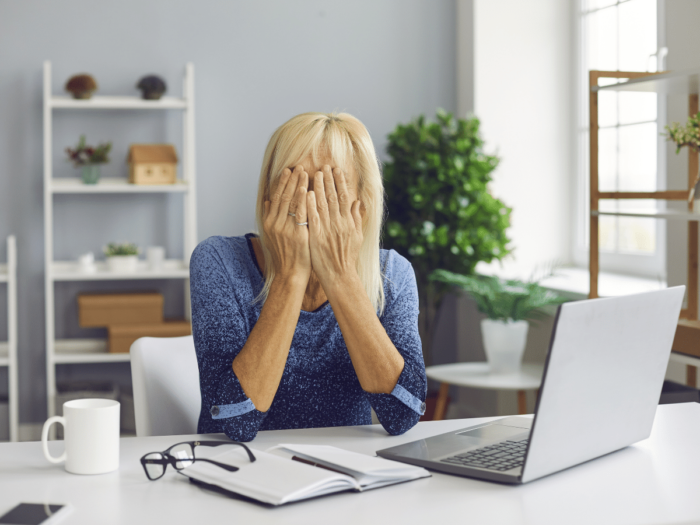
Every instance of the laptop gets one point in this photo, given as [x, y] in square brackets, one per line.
[601, 385]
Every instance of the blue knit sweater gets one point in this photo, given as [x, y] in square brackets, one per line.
[319, 386]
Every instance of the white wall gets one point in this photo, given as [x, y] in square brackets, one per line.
[257, 64]
[524, 96]
[523, 92]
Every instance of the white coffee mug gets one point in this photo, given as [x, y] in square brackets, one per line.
[155, 255]
[91, 436]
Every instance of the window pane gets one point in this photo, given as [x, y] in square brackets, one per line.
[607, 233]
[607, 109]
[637, 157]
[597, 4]
[636, 235]
[637, 107]
[601, 36]
[607, 159]
[637, 23]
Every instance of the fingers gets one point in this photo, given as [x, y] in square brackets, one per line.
[341, 185]
[357, 216]
[331, 193]
[300, 198]
[286, 196]
[276, 196]
[320, 196]
[313, 215]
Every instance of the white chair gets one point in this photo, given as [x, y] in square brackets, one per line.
[165, 378]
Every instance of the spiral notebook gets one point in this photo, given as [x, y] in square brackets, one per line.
[288, 473]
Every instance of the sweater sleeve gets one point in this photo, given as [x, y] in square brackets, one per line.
[220, 331]
[401, 410]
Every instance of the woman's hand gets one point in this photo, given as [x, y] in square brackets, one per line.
[335, 228]
[287, 241]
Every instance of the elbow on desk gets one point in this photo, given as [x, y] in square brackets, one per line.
[396, 427]
[244, 433]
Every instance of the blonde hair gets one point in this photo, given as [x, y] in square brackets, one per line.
[346, 140]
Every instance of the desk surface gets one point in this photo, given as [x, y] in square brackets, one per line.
[656, 481]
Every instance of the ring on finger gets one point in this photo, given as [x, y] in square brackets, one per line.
[292, 214]
[302, 223]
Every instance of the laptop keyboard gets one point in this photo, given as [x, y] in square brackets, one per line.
[500, 456]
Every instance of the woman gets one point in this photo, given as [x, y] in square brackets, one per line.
[309, 324]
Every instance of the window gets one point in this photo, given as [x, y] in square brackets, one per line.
[620, 35]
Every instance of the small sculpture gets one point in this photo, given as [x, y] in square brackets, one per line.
[81, 86]
[152, 87]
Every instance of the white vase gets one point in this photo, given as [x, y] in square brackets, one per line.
[122, 263]
[504, 342]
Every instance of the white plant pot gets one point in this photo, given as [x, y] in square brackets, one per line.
[504, 342]
[122, 263]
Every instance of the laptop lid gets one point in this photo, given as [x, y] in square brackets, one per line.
[602, 379]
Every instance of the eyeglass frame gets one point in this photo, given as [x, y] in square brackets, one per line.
[169, 459]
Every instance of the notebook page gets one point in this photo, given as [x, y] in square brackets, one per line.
[369, 471]
[270, 479]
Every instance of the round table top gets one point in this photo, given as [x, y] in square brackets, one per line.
[478, 375]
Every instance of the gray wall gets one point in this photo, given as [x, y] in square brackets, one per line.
[257, 64]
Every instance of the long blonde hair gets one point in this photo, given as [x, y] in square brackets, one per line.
[346, 140]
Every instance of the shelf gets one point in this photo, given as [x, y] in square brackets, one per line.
[69, 351]
[4, 353]
[113, 185]
[103, 102]
[653, 214]
[687, 339]
[4, 275]
[69, 271]
[683, 82]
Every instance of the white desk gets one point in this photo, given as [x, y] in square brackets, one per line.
[656, 481]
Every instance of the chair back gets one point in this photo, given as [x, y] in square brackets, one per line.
[165, 378]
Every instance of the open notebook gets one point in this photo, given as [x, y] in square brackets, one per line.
[289, 473]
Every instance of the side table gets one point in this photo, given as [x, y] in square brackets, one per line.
[478, 375]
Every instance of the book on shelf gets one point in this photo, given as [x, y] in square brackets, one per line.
[288, 473]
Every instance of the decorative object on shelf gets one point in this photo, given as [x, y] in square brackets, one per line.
[152, 164]
[122, 258]
[81, 86]
[155, 255]
[152, 87]
[86, 263]
[509, 305]
[121, 337]
[688, 135]
[440, 211]
[89, 158]
[104, 309]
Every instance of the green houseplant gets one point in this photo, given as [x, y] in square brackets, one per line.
[122, 257]
[508, 305]
[440, 211]
[686, 136]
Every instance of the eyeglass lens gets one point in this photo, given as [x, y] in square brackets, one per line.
[155, 465]
[183, 454]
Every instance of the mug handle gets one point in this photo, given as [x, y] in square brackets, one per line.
[45, 438]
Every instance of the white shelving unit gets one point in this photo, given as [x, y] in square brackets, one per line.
[74, 351]
[8, 349]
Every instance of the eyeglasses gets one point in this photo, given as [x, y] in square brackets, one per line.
[182, 455]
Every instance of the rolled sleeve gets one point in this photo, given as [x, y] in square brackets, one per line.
[220, 331]
[401, 409]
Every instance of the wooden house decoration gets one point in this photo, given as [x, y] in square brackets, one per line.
[152, 164]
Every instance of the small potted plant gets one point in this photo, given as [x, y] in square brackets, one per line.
[122, 257]
[509, 305]
[89, 158]
[688, 135]
[152, 87]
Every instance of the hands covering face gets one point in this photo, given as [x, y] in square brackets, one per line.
[331, 242]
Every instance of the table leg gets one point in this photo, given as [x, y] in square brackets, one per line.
[441, 403]
[522, 402]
